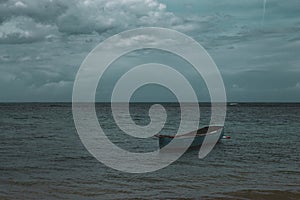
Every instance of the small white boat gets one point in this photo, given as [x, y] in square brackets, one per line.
[198, 136]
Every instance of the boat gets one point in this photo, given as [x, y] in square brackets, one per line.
[199, 135]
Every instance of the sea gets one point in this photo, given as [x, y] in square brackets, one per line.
[42, 157]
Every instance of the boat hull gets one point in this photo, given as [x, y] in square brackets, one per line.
[216, 134]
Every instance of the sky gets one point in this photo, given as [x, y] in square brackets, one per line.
[255, 44]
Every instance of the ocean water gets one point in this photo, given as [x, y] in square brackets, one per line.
[42, 157]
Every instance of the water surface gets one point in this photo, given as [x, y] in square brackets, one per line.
[42, 156]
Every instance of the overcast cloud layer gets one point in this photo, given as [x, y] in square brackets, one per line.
[42, 43]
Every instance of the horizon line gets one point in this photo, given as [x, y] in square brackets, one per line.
[106, 102]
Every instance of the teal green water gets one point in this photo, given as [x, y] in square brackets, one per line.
[42, 156]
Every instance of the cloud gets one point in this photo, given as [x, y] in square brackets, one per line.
[32, 20]
[89, 16]
[52, 37]
[234, 21]
[23, 30]
[297, 85]
[45, 11]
